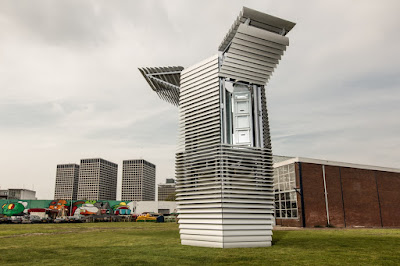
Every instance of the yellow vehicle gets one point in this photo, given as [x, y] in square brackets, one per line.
[146, 218]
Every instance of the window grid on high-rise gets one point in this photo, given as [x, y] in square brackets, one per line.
[138, 180]
[97, 180]
[66, 186]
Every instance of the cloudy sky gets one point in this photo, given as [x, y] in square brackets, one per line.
[70, 88]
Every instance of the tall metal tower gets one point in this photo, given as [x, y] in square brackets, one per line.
[224, 161]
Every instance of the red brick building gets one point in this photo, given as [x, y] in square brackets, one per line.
[311, 192]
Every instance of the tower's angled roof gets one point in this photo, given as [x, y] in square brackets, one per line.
[253, 47]
[259, 20]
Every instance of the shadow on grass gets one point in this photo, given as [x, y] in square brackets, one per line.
[278, 236]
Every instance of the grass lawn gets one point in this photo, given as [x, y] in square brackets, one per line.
[159, 244]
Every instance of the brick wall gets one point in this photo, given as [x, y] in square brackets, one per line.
[389, 196]
[356, 197]
[335, 202]
[360, 197]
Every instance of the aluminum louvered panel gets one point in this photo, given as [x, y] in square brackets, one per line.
[252, 55]
[241, 196]
[259, 20]
[197, 128]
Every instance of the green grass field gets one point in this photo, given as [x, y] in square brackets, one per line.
[158, 244]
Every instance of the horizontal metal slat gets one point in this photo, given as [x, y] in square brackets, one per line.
[255, 52]
[251, 60]
[259, 41]
[237, 69]
[248, 67]
[262, 34]
[260, 47]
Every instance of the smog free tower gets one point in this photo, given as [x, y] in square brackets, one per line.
[224, 174]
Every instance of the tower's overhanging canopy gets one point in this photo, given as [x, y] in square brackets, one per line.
[253, 46]
[250, 52]
[165, 81]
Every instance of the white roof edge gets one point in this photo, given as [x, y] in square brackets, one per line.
[335, 163]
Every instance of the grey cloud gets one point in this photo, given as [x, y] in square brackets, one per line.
[88, 24]
[20, 115]
[149, 130]
[17, 116]
[70, 74]
[60, 22]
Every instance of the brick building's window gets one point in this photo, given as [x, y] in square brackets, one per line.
[285, 193]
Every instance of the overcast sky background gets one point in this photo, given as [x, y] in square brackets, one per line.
[70, 88]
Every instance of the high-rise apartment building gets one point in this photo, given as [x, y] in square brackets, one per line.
[67, 177]
[138, 180]
[97, 180]
[167, 191]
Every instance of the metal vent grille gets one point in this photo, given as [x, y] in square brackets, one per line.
[225, 197]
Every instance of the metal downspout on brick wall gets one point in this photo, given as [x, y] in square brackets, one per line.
[326, 195]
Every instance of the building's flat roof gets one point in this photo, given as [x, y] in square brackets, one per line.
[100, 159]
[24, 189]
[130, 161]
[335, 163]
